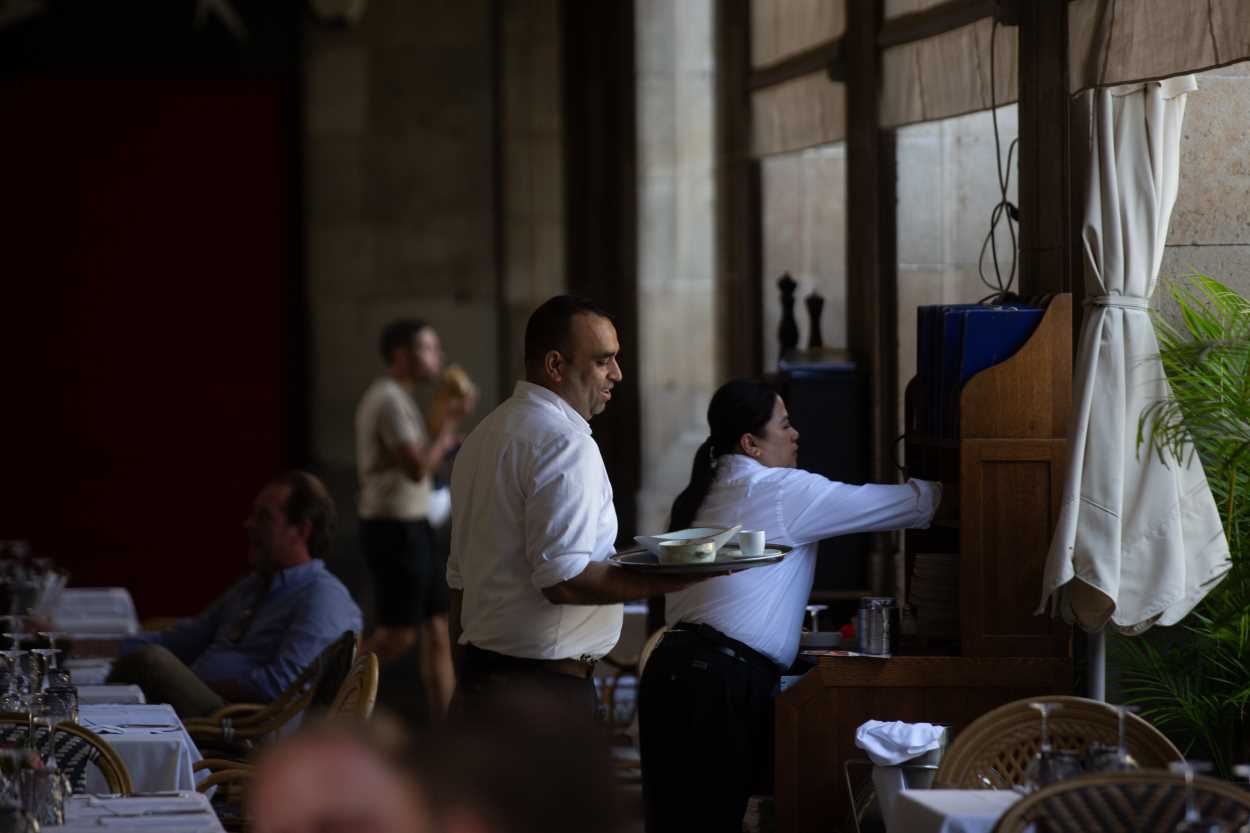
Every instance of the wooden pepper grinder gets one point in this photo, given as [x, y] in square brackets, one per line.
[788, 329]
[815, 305]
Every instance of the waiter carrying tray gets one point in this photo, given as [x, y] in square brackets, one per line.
[533, 600]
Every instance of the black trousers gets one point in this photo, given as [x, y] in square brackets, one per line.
[486, 680]
[409, 576]
[706, 722]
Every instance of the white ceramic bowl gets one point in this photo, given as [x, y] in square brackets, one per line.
[686, 552]
[717, 535]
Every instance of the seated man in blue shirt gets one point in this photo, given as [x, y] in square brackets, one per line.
[254, 640]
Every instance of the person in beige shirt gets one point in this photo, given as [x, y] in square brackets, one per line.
[397, 454]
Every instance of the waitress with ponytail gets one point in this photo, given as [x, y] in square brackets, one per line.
[705, 705]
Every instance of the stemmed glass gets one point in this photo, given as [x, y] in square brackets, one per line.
[1049, 765]
[13, 699]
[813, 616]
[45, 663]
[1104, 758]
[13, 819]
[1194, 821]
[49, 785]
[15, 639]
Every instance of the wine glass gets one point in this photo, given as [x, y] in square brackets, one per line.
[1049, 765]
[13, 698]
[1194, 821]
[1105, 758]
[18, 637]
[813, 616]
[45, 663]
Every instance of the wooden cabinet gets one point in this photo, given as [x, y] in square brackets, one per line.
[1006, 474]
[817, 717]
[1003, 482]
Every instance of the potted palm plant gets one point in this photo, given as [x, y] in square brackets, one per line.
[1195, 686]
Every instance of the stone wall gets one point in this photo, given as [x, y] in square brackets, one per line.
[1210, 230]
[947, 188]
[803, 212]
[532, 126]
[678, 367]
[399, 199]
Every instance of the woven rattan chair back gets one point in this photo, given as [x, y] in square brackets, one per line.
[77, 750]
[336, 663]
[1146, 801]
[994, 750]
[359, 691]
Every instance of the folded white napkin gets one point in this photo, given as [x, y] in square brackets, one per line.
[888, 744]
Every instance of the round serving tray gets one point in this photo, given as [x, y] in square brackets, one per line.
[726, 560]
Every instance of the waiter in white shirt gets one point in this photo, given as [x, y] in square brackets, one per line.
[534, 601]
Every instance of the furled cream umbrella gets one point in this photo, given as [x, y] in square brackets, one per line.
[1138, 541]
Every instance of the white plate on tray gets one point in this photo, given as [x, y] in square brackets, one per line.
[729, 558]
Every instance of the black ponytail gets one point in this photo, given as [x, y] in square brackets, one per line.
[738, 407]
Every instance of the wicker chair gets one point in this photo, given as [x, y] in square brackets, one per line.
[1146, 801]
[76, 749]
[995, 749]
[232, 730]
[359, 691]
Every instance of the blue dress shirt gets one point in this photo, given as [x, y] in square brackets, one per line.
[302, 611]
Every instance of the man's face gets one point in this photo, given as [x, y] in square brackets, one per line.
[425, 356]
[586, 376]
[271, 535]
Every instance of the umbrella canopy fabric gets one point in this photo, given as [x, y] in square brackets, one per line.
[1138, 541]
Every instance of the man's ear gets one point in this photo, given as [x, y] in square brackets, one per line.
[553, 365]
[304, 530]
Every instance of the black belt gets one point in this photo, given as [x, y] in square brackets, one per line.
[483, 658]
[726, 645]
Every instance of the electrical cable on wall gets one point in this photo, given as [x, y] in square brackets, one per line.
[1004, 208]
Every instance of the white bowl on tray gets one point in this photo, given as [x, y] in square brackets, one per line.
[687, 552]
[718, 536]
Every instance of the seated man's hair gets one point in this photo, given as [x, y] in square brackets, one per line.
[310, 501]
[549, 325]
[398, 334]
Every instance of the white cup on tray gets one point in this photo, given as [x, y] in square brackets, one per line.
[751, 543]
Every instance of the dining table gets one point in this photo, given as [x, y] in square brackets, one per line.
[97, 611]
[150, 740]
[950, 811]
[86, 671]
[175, 811]
[92, 695]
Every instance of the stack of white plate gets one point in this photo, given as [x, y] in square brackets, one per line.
[935, 594]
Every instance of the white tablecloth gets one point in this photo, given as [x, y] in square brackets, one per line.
[96, 610]
[951, 811]
[188, 812]
[97, 694]
[158, 757]
[88, 671]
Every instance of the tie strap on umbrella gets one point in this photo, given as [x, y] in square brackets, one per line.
[1121, 301]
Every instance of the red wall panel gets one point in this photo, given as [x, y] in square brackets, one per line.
[143, 258]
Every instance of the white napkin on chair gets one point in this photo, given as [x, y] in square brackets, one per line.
[891, 743]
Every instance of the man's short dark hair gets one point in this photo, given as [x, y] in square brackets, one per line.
[310, 501]
[549, 325]
[398, 334]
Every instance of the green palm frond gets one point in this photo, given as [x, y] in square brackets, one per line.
[1201, 690]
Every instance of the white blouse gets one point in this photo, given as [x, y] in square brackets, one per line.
[763, 607]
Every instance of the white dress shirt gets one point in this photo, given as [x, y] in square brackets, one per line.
[531, 507]
[764, 607]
